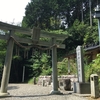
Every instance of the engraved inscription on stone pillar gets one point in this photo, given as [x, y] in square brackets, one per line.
[80, 67]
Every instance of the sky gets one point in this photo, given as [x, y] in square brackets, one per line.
[12, 11]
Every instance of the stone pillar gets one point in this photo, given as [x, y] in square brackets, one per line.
[80, 86]
[7, 67]
[80, 66]
[54, 68]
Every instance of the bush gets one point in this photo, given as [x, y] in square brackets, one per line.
[93, 68]
[63, 67]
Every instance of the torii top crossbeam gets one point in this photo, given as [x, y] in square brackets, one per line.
[5, 26]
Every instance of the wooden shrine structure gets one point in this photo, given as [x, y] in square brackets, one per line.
[35, 34]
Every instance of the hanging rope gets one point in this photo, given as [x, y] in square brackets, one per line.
[20, 45]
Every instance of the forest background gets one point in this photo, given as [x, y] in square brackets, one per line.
[73, 18]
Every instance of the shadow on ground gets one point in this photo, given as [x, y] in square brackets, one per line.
[39, 95]
[12, 87]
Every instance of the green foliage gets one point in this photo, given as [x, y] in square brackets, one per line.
[60, 31]
[63, 67]
[2, 55]
[37, 14]
[73, 68]
[91, 35]
[95, 65]
[48, 14]
[40, 64]
[2, 49]
[88, 72]
[47, 71]
[16, 57]
[31, 80]
[81, 34]
[93, 68]
[75, 35]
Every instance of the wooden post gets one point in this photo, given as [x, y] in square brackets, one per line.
[99, 29]
[68, 65]
[23, 75]
[54, 68]
[7, 67]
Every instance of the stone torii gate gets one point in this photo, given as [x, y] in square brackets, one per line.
[30, 32]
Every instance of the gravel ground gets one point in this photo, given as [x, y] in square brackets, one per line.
[35, 92]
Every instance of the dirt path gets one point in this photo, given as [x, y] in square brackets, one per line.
[35, 92]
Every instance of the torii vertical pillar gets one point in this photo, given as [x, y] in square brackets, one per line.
[7, 67]
[54, 68]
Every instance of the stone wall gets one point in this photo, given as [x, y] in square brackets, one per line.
[44, 80]
[47, 80]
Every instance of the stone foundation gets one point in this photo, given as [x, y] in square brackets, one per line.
[82, 88]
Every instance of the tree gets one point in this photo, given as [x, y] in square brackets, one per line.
[49, 13]
[39, 64]
[37, 14]
[91, 36]
[76, 35]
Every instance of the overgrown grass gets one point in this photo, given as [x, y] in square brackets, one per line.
[31, 80]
